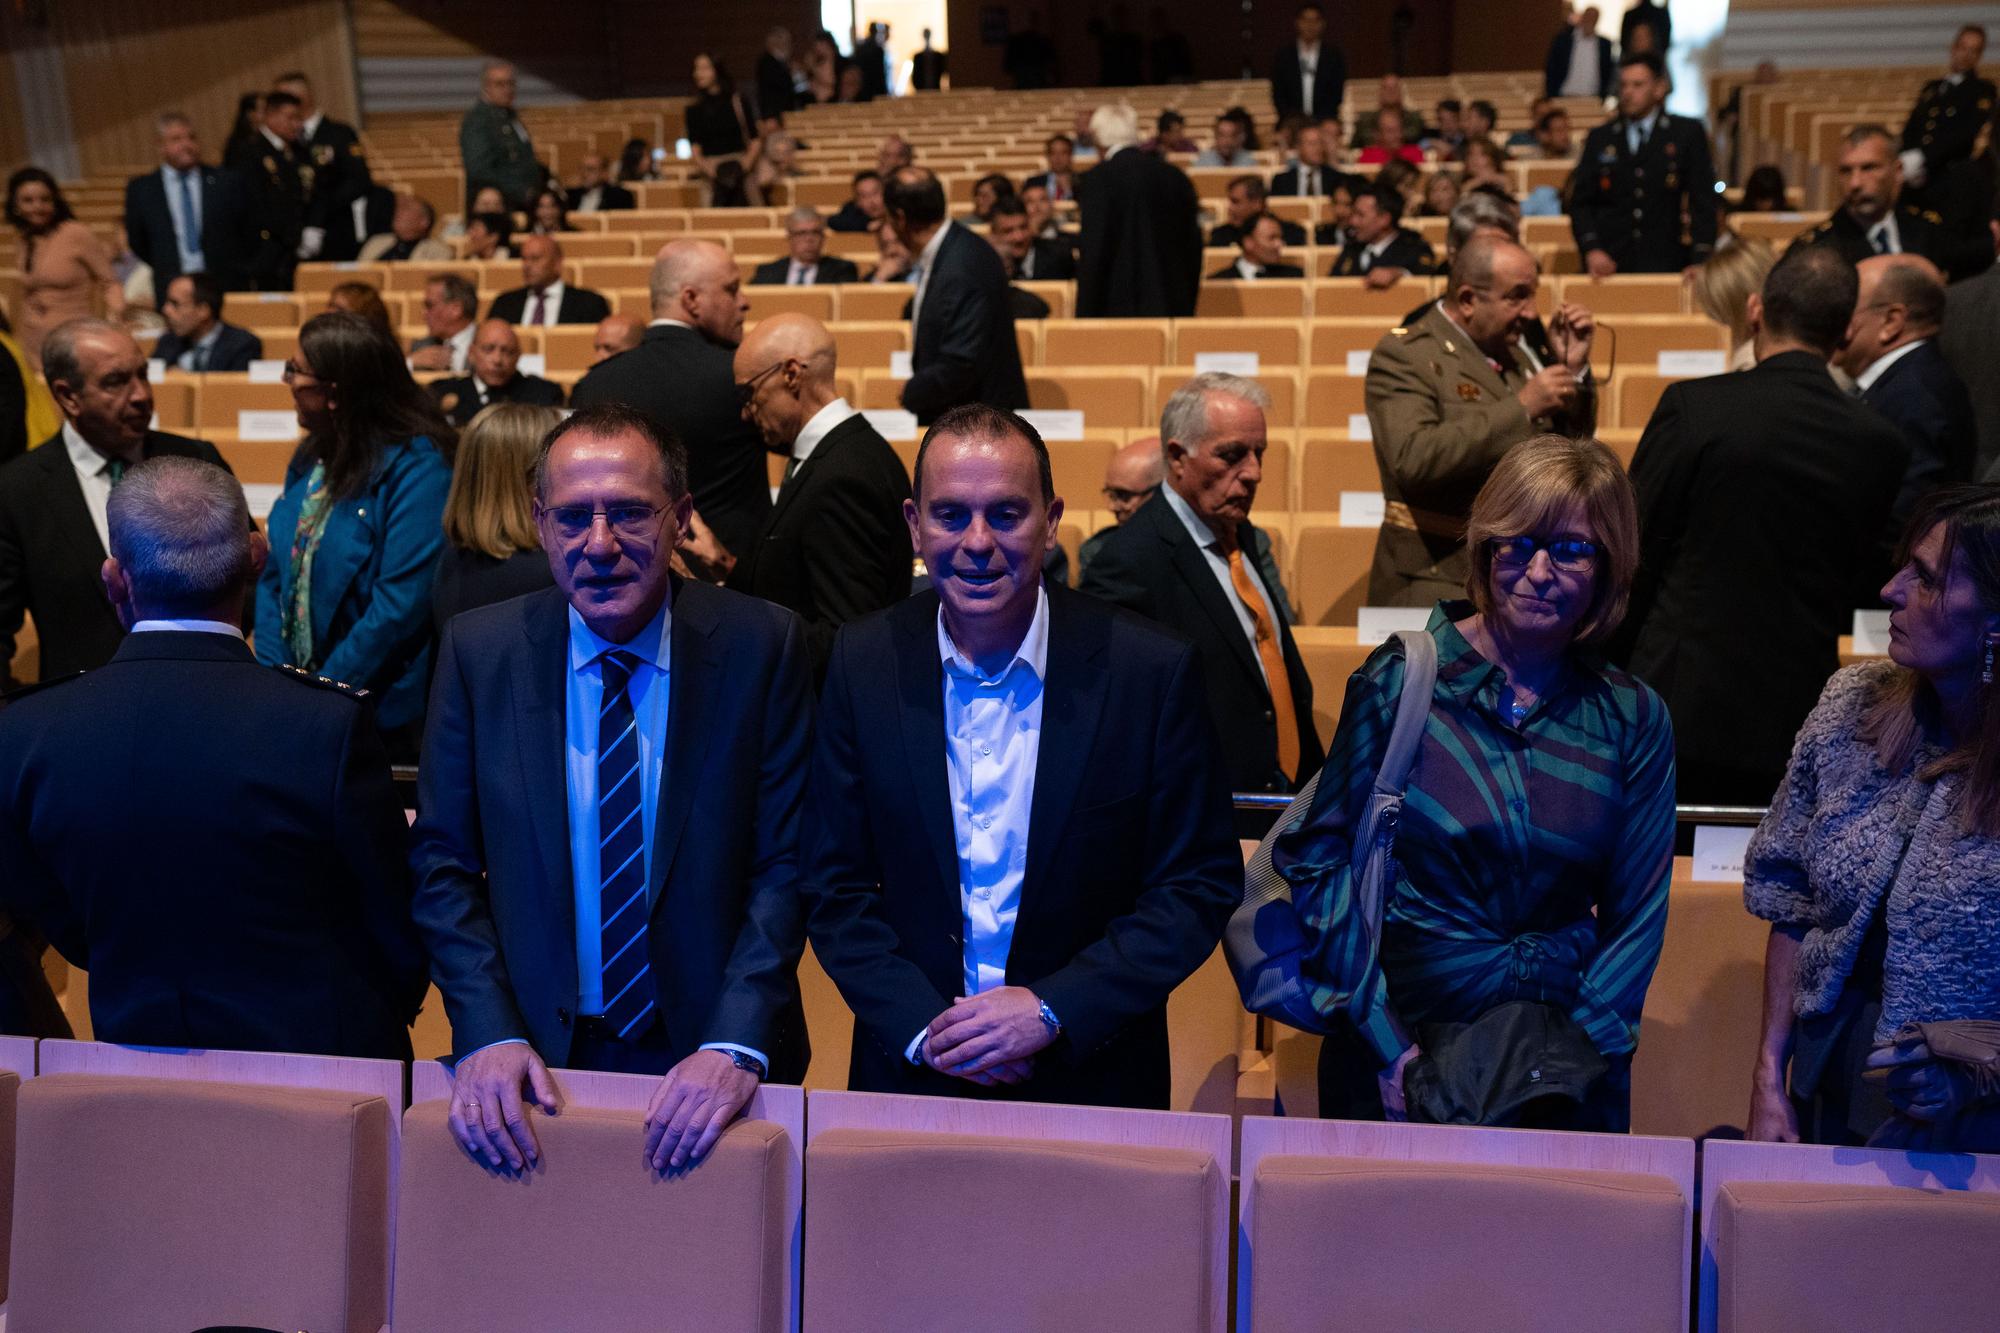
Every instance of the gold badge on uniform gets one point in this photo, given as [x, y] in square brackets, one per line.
[449, 402]
[1469, 392]
[270, 164]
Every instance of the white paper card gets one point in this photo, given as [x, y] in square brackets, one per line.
[267, 425]
[261, 495]
[1361, 509]
[1357, 426]
[1374, 624]
[344, 266]
[899, 365]
[893, 422]
[272, 298]
[1225, 363]
[1718, 853]
[156, 369]
[154, 424]
[1056, 425]
[267, 372]
[534, 363]
[1357, 362]
[1871, 633]
[1689, 364]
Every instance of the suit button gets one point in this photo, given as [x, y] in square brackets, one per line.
[562, 1017]
[1270, 716]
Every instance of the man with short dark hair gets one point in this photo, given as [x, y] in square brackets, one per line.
[1310, 175]
[409, 236]
[1871, 219]
[962, 344]
[496, 378]
[864, 209]
[1262, 243]
[187, 217]
[544, 300]
[1638, 176]
[495, 146]
[1008, 232]
[1060, 179]
[196, 338]
[1379, 248]
[1011, 926]
[595, 191]
[1947, 119]
[489, 236]
[1760, 498]
[276, 173]
[1309, 74]
[808, 263]
[1552, 134]
[1045, 258]
[1243, 200]
[336, 222]
[451, 303]
[1230, 147]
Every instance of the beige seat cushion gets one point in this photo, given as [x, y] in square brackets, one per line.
[1438, 1245]
[612, 1245]
[145, 1204]
[1863, 1257]
[10, 1091]
[907, 1230]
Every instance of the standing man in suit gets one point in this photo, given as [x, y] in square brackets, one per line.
[338, 222]
[1379, 248]
[1309, 75]
[496, 378]
[188, 218]
[606, 838]
[595, 191]
[1017, 837]
[962, 345]
[258, 897]
[1946, 119]
[805, 234]
[495, 146]
[927, 67]
[1141, 241]
[1192, 560]
[544, 300]
[834, 548]
[1638, 175]
[681, 376]
[53, 531]
[1580, 63]
[1761, 495]
[1873, 218]
[196, 338]
[280, 184]
[1263, 245]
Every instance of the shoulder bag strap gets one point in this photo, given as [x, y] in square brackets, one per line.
[1385, 802]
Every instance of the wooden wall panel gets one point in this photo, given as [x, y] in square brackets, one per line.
[13, 138]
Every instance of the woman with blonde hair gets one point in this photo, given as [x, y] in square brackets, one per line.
[492, 551]
[1723, 286]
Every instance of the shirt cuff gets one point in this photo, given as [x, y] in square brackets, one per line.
[914, 1051]
[750, 1051]
[1913, 165]
[504, 1041]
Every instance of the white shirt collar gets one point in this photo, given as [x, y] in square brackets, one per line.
[652, 644]
[1376, 250]
[1308, 54]
[1880, 367]
[933, 245]
[1197, 526]
[819, 427]
[207, 340]
[187, 626]
[1033, 652]
[311, 127]
[1954, 79]
[170, 172]
[272, 139]
[551, 292]
[670, 323]
[1246, 268]
[87, 458]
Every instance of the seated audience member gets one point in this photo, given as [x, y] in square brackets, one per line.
[451, 303]
[1554, 537]
[1245, 200]
[1480, 117]
[1442, 416]
[1388, 144]
[359, 298]
[1764, 191]
[635, 163]
[808, 263]
[892, 259]
[1870, 220]
[53, 536]
[1132, 477]
[1440, 195]
[1194, 561]
[1310, 174]
[1042, 222]
[864, 209]
[1397, 175]
[728, 184]
[1338, 211]
[1170, 134]
[355, 535]
[496, 378]
[1028, 257]
[1389, 97]
[489, 236]
[1762, 497]
[487, 200]
[409, 236]
[257, 898]
[1229, 147]
[196, 338]
[987, 191]
[615, 334]
[1485, 164]
[1867, 942]
[836, 547]
[491, 551]
[1008, 973]
[1379, 249]
[548, 215]
[1262, 243]
[1552, 136]
[543, 299]
[595, 191]
[893, 154]
[1523, 139]
[772, 164]
[1723, 287]
[697, 982]
[1449, 131]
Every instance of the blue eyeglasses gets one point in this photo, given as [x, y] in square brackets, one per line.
[1570, 554]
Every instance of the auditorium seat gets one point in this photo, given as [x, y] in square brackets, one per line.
[874, 301]
[598, 245]
[1628, 294]
[766, 301]
[1636, 341]
[569, 346]
[1275, 496]
[1638, 393]
[261, 312]
[1334, 339]
[255, 462]
[1281, 382]
[174, 402]
[1352, 298]
[866, 345]
[1106, 342]
[1078, 469]
[225, 397]
[314, 281]
[1331, 464]
[1107, 396]
[646, 219]
[1275, 342]
[1269, 298]
[1334, 399]
[1060, 296]
[597, 274]
[1028, 341]
[1329, 568]
[413, 277]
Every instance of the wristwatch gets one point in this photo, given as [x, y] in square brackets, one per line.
[1050, 1021]
[748, 1062]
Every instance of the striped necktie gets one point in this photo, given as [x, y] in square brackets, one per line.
[621, 855]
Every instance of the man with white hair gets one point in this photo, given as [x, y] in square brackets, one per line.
[495, 145]
[1141, 245]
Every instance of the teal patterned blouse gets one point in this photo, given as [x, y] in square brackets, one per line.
[1532, 861]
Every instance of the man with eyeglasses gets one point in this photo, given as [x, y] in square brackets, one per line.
[1132, 477]
[805, 236]
[606, 849]
[1449, 394]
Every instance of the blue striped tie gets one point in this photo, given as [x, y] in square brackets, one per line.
[621, 855]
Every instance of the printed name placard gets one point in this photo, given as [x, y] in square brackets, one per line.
[1361, 509]
[261, 495]
[899, 365]
[1225, 363]
[1690, 364]
[1871, 633]
[272, 298]
[1357, 362]
[1056, 425]
[267, 372]
[267, 425]
[893, 422]
[1718, 852]
[1358, 427]
[1374, 624]
[534, 363]
[156, 369]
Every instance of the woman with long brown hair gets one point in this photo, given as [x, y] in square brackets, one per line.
[66, 270]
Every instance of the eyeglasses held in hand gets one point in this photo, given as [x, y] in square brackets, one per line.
[627, 520]
[1570, 554]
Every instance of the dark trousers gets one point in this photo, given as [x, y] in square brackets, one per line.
[597, 1048]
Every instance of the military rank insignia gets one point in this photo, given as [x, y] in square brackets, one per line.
[1469, 392]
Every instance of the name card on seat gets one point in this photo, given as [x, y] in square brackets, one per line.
[1718, 853]
[156, 369]
[1225, 363]
[1357, 361]
[1374, 624]
[1361, 509]
[1066, 424]
[1358, 427]
[1693, 363]
[893, 422]
[273, 298]
[534, 363]
[266, 425]
[1871, 633]
[261, 495]
[899, 365]
[267, 372]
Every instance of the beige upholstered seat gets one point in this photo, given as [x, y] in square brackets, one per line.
[10, 1093]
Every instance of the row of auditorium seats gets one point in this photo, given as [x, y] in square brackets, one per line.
[173, 1190]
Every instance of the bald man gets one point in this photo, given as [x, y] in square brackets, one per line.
[615, 334]
[681, 375]
[836, 547]
[1132, 477]
[495, 363]
[543, 299]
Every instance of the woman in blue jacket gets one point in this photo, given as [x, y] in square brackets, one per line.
[356, 535]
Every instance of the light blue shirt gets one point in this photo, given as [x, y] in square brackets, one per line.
[187, 230]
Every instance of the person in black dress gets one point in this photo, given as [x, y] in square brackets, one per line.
[491, 550]
[718, 123]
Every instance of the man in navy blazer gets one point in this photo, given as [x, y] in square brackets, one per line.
[196, 338]
[1018, 832]
[219, 237]
[1602, 69]
[606, 834]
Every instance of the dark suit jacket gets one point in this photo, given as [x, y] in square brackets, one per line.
[1969, 343]
[234, 350]
[1630, 205]
[832, 268]
[1288, 85]
[1051, 182]
[1228, 233]
[688, 382]
[1131, 869]
[1408, 251]
[1555, 70]
[278, 209]
[228, 238]
[962, 349]
[1140, 252]
[1052, 261]
[256, 894]
[1924, 399]
[1760, 497]
[609, 198]
[340, 176]
[494, 893]
[1229, 271]
[50, 557]
[459, 397]
[1300, 179]
[579, 305]
[1151, 565]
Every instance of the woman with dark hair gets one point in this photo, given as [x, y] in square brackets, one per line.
[718, 123]
[66, 270]
[549, 214]
[355, 536]
[635, 163]
[1764, 192]
[249, 120]
[986, 192]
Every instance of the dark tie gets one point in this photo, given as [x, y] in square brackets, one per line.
[115, 467]
[199, 362]
[621, 855]
[791, 470]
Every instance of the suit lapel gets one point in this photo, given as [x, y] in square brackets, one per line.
[694, 678]
[1193, 567]
[920, 687]
[69, 514]
[1072, 703]
[540, 690]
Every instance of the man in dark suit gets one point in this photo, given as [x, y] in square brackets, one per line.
[927, 67]
[543, 299]
[1191, 559]
[1946, 120]
[53, 533]
[595, 191]
[1379, 248]
[835, 548]
[1970, 341]
[186, 217]
[1872, 218]
[340, 178]
[962, 344]
[496, 377]
[1012, 925]
[1760, 498]
[279, 181]
[805, 234]
[680, 375]
[864, 209]
[1060, 179]
[1141, 240]
[1308, 75]
[1657, 22]
[196, 338]
[606, 845]
[1590, 73]
[1639, 175]
[1243, 200]
[256, 895]
[1263, 245]
[1311, 175]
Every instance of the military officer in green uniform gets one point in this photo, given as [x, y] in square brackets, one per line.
[1870, 221]
[1946, 119]
[1643, 198]
[280, 179]
[495, 144]
[1451, 393]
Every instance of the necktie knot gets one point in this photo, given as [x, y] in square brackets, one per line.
[618, 666]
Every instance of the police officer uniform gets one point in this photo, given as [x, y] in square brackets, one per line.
[1905, 230]
[1651, 209]
[1406, 250]
[340, 176]
[281, 181]
[1946, 119]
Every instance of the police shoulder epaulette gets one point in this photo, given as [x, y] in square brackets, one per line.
[20, 692]
[324, 682]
